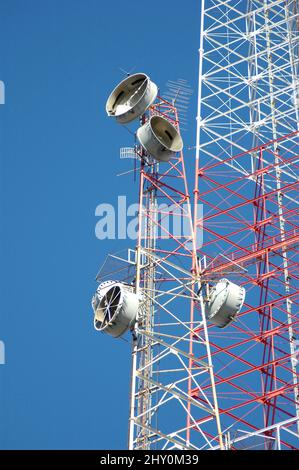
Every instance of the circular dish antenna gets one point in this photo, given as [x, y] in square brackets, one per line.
[131, 98]
[226, 300]
[115, 308]
[100, 292]
[160, 138]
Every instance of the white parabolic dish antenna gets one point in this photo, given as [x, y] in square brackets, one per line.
[115, 308]
[225, 301]
[131, 98]
[160, 138]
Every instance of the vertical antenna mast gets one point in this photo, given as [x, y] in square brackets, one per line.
[155, 306]
[164, 413]
[207, 371]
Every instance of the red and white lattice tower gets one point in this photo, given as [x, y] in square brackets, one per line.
[246, 177]
[207, 372]
[149, 290]
[162, 410]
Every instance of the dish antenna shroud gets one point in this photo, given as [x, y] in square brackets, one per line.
[160, 138]
[225, 301]
[115, 308]
[131, 98]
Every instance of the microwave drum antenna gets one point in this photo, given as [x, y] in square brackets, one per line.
[225, 302]
[131, 98]
[116, 308]
[160, 138]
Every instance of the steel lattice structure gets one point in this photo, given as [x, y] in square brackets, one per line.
[194, 385]
[248, 99]
[164, 368]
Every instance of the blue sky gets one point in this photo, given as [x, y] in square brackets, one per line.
[65, 385]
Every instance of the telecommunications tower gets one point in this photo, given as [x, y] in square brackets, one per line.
[246, 176]
[210, 297]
